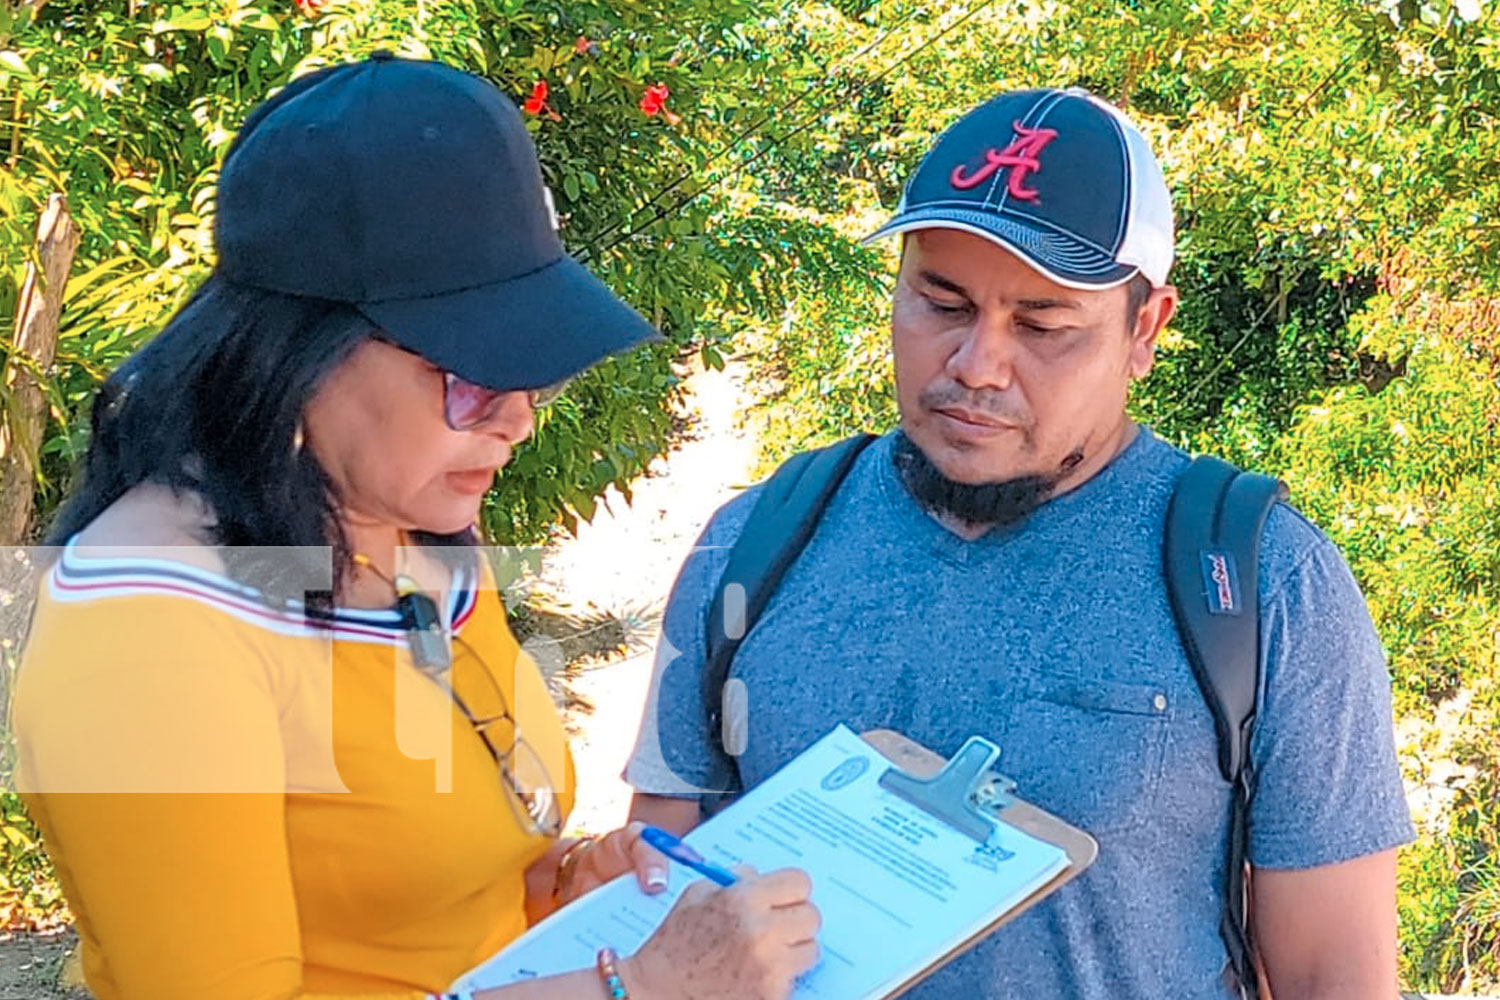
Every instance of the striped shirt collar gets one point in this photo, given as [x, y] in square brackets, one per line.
[77, 578]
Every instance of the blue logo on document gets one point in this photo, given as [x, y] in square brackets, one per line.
[846, 774]
[989, 857]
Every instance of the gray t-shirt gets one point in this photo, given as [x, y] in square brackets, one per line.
[1055, 639]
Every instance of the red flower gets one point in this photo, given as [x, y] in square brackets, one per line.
[310, 7]
[583, 45]
[537, 102]
[655, 99]
[654, 102]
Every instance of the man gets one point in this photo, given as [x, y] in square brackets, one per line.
[994, 568]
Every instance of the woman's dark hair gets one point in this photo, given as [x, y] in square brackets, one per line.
[212, 405]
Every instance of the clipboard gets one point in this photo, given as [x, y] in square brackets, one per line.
[968, 794]
[789, 817]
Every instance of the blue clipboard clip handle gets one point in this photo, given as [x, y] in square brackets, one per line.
[967, 793]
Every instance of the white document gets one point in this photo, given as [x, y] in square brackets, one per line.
[897, 888]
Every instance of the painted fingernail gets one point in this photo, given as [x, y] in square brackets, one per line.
[656, 879]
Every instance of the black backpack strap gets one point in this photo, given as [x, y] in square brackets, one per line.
[1212, 563]
[778, 528]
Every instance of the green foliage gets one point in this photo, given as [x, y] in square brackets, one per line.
[822, 375]
[1449, 899]
[1402, 482]
[128, 106]
[30, 898]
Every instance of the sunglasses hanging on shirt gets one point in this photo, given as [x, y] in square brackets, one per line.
[529, 787]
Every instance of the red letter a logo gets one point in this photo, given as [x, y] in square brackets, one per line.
[1021, 156]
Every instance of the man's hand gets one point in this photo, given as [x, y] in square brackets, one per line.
[1328, 933]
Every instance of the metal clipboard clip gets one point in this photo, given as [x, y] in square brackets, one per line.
[966, 794]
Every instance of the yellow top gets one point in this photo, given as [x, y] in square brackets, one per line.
[244, 807]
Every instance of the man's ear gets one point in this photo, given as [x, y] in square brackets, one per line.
[1150, 321]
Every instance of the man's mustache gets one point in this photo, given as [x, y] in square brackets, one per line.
[941, 397]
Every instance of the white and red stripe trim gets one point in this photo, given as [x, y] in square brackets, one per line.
[75, 579]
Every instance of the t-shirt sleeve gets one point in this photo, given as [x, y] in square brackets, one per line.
[1328, 784]
[675, 752]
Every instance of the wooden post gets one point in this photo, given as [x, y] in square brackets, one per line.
[38, 313]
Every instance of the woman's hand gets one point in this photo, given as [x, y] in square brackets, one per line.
[750, 941]
[608, 858]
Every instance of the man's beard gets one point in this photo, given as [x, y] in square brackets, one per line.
[998, 504]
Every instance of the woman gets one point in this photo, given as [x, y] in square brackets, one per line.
[260, 780]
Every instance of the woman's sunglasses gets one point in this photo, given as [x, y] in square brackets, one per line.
[467, 405]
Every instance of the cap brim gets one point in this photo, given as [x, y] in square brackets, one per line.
[522, 333]
[1056, 256]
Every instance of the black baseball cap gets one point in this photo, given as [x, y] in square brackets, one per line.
[1060, 178]
[411, 191]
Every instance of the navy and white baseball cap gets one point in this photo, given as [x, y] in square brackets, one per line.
[411, 191]
[1060, 178]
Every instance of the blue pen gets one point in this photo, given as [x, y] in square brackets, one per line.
[685, 855]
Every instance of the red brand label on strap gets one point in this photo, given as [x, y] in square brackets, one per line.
[1021, 156]
[1220, 583]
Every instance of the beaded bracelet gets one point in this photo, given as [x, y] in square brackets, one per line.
[609, 973]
